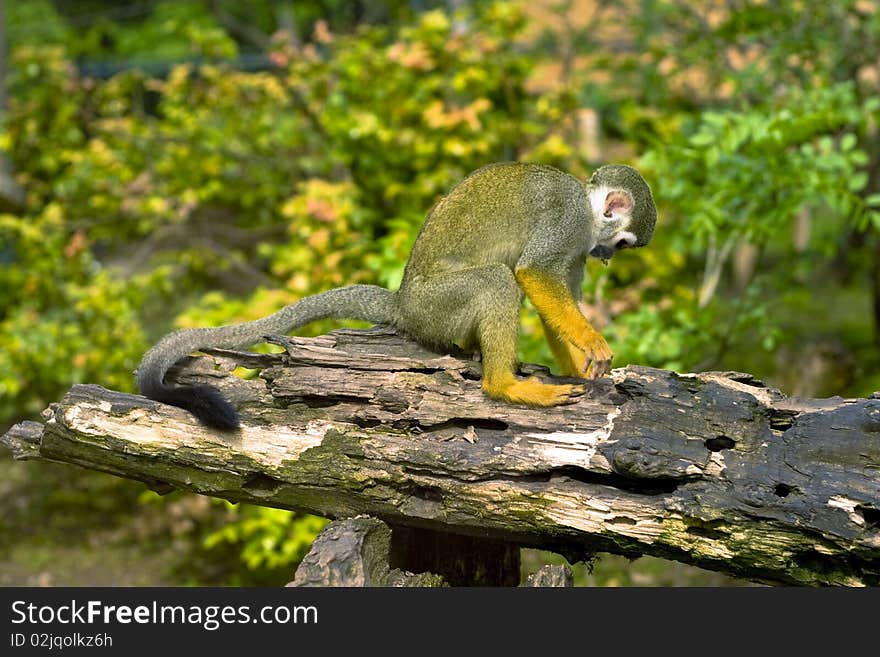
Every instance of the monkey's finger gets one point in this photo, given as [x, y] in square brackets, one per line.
[595, 370]
[600, 368]
[587, 362]
[589, 359]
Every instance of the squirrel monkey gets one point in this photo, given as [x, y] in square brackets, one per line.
[505, 231]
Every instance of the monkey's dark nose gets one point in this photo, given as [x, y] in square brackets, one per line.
[602, 252]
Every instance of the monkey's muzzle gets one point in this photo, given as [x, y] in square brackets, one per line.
[602, 252]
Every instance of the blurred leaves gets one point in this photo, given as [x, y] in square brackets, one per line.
[269, 539]
[211, 194]
[208, 194]
[749, 172]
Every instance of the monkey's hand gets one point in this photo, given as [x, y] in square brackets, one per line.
[572, 359]
[588, 360]
[591, 354]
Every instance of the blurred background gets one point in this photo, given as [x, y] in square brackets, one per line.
[168, 164]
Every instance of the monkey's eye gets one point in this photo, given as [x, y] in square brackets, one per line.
[621, 244]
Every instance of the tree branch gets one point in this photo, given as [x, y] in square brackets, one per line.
[711, 469]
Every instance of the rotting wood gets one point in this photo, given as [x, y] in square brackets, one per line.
[551, 576]
[356, 552]
[711, 469]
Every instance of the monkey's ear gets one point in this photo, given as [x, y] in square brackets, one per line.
[618, 201]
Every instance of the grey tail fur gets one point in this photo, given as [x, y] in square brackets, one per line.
[366, 302]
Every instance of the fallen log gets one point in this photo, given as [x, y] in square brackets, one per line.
[712, 469]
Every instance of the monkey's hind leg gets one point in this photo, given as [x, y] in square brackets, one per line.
[479, 306]
[498, 338]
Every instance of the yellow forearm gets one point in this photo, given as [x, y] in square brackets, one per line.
[556, 306]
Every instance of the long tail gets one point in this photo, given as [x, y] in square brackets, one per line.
[367, 302]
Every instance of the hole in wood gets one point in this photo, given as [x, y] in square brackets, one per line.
[488, 424]
[319, 401]
[782, 420]
[747, 379]
[783, 490]
[707, 530]
[477, 423]
[426, 493]
[641, 485]
[718, 443]
[871, 516]
[366, 423]
[260, 483]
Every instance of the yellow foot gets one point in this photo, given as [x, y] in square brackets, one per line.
[532, 392]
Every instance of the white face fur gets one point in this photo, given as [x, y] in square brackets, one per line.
[612, 212]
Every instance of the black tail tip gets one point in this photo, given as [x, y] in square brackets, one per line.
[203, 401]
[209, 406]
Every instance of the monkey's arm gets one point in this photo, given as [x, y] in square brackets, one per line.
[567, 325]
[572, 360]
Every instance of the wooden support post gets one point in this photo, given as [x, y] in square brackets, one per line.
[461, 560]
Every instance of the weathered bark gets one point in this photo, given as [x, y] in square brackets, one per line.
[551, 576]
[363, 552]
[356, 552]
[711, 469]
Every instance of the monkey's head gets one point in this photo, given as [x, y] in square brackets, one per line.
[623, 210]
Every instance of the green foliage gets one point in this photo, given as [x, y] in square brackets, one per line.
[449, 101]
[220, 195]
[269, 539]
[742, 177]
[757, 121]
[64, 319]
[748, 173]
[205, 194]
[693, 55]
[151, 32]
